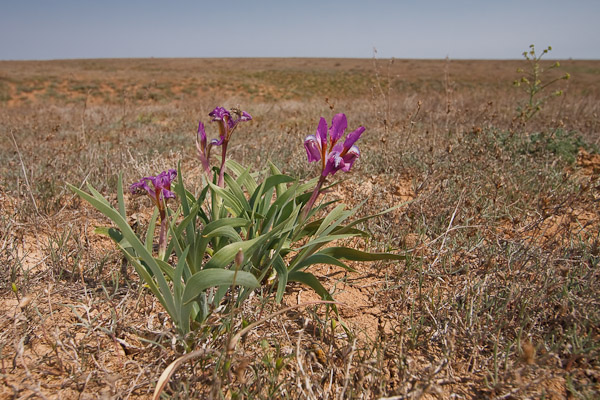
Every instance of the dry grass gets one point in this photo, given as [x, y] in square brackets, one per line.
[498, 297]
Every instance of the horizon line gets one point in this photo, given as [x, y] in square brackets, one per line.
[284, 57]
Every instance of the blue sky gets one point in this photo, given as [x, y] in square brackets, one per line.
[46, 29]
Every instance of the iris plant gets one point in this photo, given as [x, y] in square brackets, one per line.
[325, 146]
[159, 192]
[227, 121]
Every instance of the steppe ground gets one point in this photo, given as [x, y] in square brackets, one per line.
[498, 296]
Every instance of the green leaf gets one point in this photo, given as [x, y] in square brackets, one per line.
[207, 278]
[179, 274]
[358, 255]
[320, 258]
[348, 227]
[236, 190]
[265, 201]
[102, 205]
[120, 200]
[337, 212]
[225, 255]
[282, 277]
[224, 231]
[150, 232]
[145, 276]
[183, 199]
[308, 186]
[311, 281]
[112, 233]
[325, 239]
[199, 202]
[232, 222]
[267, 223]
[166, 268]
[203, 237]
[183, 310]
[186, 224]
[245, 180]
[268, 183]
[341, 217]
[229, 199]
[244, 176]
[280, 188]
[176, 239]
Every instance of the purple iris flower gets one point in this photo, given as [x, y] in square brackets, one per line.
[227, 122]
[161, 187]
[219, 114]
[324, 146]
[159, 193]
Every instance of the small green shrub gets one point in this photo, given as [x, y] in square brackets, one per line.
[532, 84]
[564, 144]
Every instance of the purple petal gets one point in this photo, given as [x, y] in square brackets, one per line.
[312, 147]
[201, 135]
[219, 114]
[333, 164]
[217, 142]
[161, 185]
[161, 182]
[171, 174]
[143, 185]
[167, 194]
[245, 116]
[138, 186]
[322, 133]
[338, 148]
[203, 149]
[353, 137]
[338, 127]
[242, 116]
[231, 123]
[351, 155]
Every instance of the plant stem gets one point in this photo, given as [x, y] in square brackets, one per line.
[222, 169]
[313, 198]
[162, 237]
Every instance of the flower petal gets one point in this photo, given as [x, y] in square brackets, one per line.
[245, 116]
[161, 186]
[313, 150]
[333, 164]
[201, 134]
[353, 137]
[337, 148]
[139, 186]
[351, 155]
[338, 127]
[217, 142]
[171, 175]
[167, 194]
[219, 114]
[322, 134]
[203, 149]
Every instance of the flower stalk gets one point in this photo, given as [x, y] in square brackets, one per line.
[313, 198]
